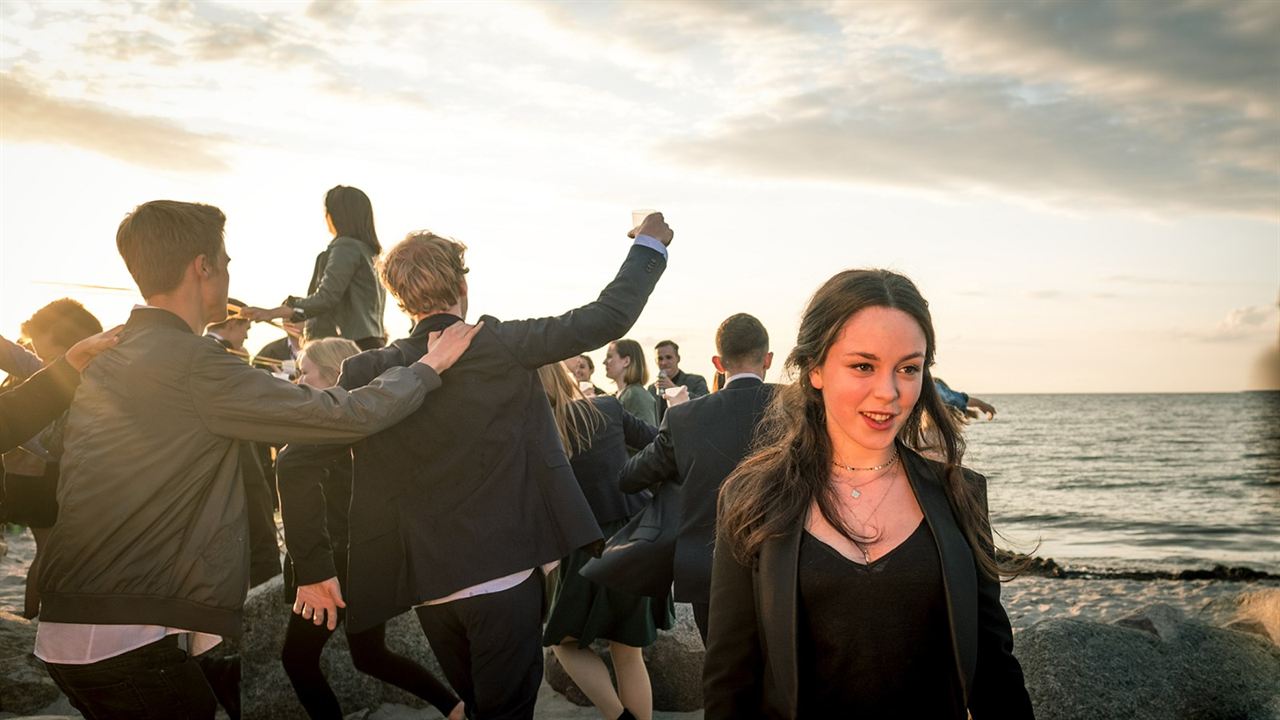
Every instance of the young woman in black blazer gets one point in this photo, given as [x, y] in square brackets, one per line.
[853, 576]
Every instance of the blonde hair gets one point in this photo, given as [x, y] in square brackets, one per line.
[577, 418]
[424, 272]
[328, 354]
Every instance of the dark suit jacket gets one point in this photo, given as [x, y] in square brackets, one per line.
[315, 523]
[25, 410]
[751, 669]
[697, 388]
[475, 485]
[29, 407]
[597, 465]
[698, 445]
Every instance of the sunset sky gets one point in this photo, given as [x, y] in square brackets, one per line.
[1087, 193]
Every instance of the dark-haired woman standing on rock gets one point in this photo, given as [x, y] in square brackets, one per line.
[853, 577]
[344, 298]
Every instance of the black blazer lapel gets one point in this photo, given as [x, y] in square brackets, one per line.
[959, 573]
[777, 590]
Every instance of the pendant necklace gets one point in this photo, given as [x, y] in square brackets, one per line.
[855, 493]
[866, 547]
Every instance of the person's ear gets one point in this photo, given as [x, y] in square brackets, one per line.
[715, 360]
[815, 378]
[768, 360]
[203, 267]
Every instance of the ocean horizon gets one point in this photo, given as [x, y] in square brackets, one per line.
[1134, 481]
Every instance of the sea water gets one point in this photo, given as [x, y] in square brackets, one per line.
[1164, 482]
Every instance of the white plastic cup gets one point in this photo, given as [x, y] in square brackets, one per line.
[673, 391]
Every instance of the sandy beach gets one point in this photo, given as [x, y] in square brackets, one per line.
[1028, 600]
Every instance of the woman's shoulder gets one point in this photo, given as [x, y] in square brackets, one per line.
[939, 469]
[345, 242]
[634, 393]
[607, 404]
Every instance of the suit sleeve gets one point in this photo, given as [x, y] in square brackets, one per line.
[239, 401]
[999, 689]
[636, 432]
[36, 403]
[697, 387]
[732, 674]
[535, 343]
[18, 361]
[656, 463]
[300, 470]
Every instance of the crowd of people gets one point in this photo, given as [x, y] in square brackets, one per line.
[837, 555]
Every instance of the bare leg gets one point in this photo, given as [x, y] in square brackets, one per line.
[591, 675]
[633, 680]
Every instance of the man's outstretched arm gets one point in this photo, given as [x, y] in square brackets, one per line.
[536, 342]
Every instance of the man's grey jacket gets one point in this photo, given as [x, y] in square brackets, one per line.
[152, 525]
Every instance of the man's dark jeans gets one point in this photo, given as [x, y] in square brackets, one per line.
[155, 682]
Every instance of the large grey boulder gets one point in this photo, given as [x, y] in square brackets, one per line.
[1152, 665]
[674, 662]
[266, 693]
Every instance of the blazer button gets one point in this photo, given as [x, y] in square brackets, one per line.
[650, 266]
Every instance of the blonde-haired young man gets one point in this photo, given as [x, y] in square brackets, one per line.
[457, 510]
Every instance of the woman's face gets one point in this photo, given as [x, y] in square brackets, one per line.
[870, 381]
[615, 366]
[312, 375]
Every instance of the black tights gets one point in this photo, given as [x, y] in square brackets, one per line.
[303, 642]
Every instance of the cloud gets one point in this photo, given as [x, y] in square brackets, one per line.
[1062, 102]
[1197, 52]
[1143, 280]
[29, 115]
[1045, 294]
[1243, 322]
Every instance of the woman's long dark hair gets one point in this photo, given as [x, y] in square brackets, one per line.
[352, 215]
[790, 465]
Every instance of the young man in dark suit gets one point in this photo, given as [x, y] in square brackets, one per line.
[459, 510]
[667, 356]
[699, 444]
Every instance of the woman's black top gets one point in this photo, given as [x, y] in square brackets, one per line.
[874, 639]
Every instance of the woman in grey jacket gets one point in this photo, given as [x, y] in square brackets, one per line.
[344, 298]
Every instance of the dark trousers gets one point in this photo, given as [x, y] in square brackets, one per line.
[303, 643]
[490, 647]
[154, 682]
[702, 617]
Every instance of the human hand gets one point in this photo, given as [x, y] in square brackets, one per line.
[677, 395]
[257, 314]
[79, 355]
[983, 406]
[663, 382]
[319, 602]
[444, 347]
[655, 226]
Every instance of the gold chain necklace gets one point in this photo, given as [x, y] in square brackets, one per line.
[866, 547]
[854, 492]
